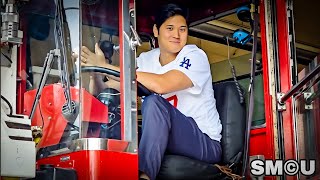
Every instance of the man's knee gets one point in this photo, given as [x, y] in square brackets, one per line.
[155, 110]
[153, 101]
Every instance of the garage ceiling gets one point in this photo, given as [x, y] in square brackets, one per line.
[307, 23]
[307, 34]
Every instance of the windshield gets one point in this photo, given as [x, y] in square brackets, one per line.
[69, 100]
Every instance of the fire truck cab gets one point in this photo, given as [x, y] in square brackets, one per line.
[264, 57]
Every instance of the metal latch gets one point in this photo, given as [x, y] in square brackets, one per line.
[306, 96]
[133, 41]
[281, 106]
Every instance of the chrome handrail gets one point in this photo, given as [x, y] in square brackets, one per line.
[299, 85]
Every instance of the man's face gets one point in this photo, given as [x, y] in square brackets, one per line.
[172, 34]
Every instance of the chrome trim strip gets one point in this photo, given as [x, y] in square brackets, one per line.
[83, 144]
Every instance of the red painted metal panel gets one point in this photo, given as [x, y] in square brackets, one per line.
[22, 70]
[269, 151]
[258, 140]
[285, 78]
[51, 102]
[97, 164]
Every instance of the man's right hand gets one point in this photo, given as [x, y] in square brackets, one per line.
[89, 58]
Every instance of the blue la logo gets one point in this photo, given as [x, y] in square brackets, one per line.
[185, 62]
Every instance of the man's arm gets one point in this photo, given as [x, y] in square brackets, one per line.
[170, 81]
[97, 85]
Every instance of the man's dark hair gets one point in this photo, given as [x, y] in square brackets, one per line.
[168, 11]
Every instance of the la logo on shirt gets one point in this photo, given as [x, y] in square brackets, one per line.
[185, 63]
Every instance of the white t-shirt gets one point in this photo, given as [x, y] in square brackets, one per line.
[198, 101]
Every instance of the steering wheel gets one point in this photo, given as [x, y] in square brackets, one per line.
[142, 90]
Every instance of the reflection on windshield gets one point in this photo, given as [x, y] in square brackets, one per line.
[62, 101]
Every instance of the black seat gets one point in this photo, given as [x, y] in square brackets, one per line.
[233, 118]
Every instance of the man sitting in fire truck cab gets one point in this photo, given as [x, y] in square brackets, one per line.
[181, 117]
